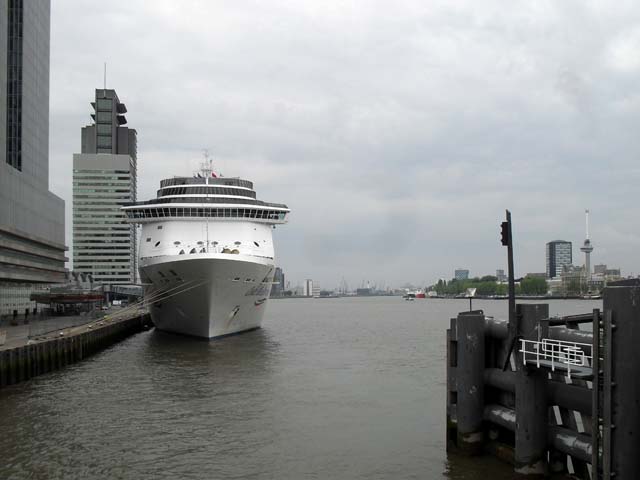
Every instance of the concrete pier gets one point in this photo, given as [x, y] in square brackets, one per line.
[61, 348]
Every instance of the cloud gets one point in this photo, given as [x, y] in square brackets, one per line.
[397, 136]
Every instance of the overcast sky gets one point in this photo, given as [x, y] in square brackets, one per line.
[397, 133]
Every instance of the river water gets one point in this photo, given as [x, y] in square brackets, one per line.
[347, 388]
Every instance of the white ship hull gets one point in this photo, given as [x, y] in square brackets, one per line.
[209, 294]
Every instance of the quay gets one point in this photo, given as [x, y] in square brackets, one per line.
[546, 396]
[22, 358]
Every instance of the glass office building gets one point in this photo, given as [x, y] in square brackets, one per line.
[105, 177]
[32, 250]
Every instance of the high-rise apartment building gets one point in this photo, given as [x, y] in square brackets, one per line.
[104, 178]
[558, 255]
[32, 251]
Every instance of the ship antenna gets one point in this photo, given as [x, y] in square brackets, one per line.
[206, 167]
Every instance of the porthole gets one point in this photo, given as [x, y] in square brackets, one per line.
[237, 243]
[176, 243]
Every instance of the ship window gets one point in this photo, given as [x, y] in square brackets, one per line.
[203, 251]
[181, 252]
[176, 243]
[161, 274]
[148, 239]
[237, 243]
[159, 227]
[157, 243]
[201, 243]
[237, 279]
[247, 279]
[256, 244]
[173, 273]
[193, 250]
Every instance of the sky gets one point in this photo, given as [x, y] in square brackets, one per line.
[398, 133]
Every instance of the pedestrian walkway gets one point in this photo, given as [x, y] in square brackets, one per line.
[19, 335]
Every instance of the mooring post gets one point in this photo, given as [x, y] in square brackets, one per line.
[623, 303]
[531, 398]
[470, 381]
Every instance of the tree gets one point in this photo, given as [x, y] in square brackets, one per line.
[534, 286]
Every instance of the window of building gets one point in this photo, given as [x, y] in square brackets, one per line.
[104, 129]
[103, 117]
[104, 104]
[104, 141]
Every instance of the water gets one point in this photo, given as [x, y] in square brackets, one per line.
[329, 388]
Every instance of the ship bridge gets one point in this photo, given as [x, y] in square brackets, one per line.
[206, 197]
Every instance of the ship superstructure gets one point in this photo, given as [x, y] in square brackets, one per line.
[206, 254]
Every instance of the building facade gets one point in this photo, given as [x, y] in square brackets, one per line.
[32, 250]
[307, 288]
[461, 274]
[104, 178]
[558, 254]
[277, 289]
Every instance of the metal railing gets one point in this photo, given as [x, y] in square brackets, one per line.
[563, 354]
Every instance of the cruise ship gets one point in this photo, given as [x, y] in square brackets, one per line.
[206, 254]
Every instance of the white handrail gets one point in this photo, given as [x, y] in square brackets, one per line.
[558, 352]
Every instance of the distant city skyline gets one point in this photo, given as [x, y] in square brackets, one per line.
[397, 141]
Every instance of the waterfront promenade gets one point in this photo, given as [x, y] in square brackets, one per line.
[32, 349]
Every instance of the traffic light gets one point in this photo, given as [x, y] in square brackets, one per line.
[505, 233]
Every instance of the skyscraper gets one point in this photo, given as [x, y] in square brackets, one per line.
[278, 283]
[558, 255]
[461, 274]
[32, 251]
[104, 178]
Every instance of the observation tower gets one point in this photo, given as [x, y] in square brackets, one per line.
[587, 248]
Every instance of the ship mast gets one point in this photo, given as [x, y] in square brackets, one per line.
[207, 169]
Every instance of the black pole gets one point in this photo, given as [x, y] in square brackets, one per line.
[507, 240]
[512, 284]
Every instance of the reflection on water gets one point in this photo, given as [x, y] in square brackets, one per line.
[331, 388]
